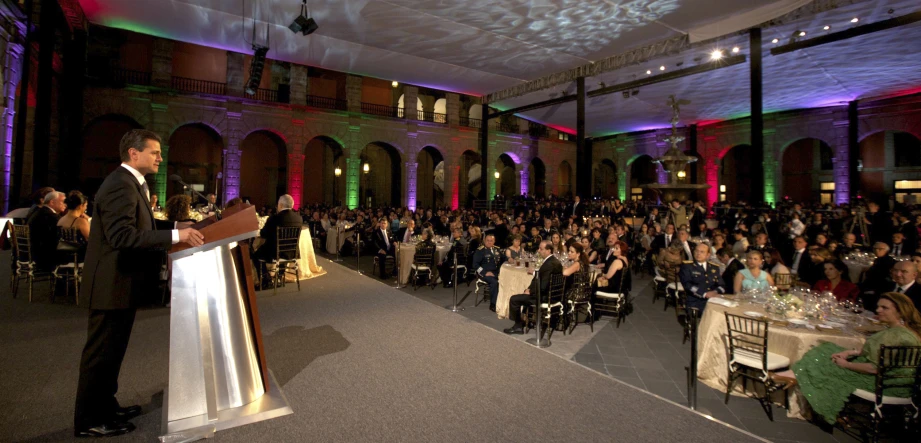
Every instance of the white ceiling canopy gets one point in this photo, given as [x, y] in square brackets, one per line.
[467, 46]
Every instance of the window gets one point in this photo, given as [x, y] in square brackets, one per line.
[908, 191]
[907, 150]
[827, 192]
[636, 194]
[722, 193]
[564, 136]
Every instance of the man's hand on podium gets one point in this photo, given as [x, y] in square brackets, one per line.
[191, 237]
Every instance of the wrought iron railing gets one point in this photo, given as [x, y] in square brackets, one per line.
[429, 116]
[266, 95]
[381, 110]
[508, 127]
[195, 85]
[327, 103]
[538, 130]
[470, 122]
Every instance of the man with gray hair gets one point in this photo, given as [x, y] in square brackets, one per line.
[286, 217]
[43, 230]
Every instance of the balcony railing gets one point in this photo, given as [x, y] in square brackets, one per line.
[470, 122]
[381, 110]
[266, 95]
[195, 85]
[327, 103]
[130, 77]
[429, 116]
[508, 127]
[538, 130]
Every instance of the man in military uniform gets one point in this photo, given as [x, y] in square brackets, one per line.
[486, 265]
[446, 268]
[701, 280]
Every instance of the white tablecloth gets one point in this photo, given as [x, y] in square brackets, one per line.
[307, 266]
[331, 235]
[407, 253]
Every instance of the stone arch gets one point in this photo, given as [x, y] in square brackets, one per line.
[878, 169]
[904, 123]
[99, 148]
[195, 154]
[383, 183]
[804, 164]
[564, 180]
[642, 172]
[537, 177]
[322, 155]
[735, 173]
[263, 167]
[441, 106]
[418, 102]
[469, 177]
[430, 177]
[604, 175]
[507, 183]
[475, 112]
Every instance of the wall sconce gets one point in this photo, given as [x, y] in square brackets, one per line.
[366, 168]
[338, 171]
[682, 174]
[496, 174]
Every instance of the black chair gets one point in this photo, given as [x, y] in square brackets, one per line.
[23, 263]
[615, 301]
[71, 246]
[480, 285]
[898, 367]
[423, 265]
[286, 246]
[551, 306]
[749, 358]
[579, 299]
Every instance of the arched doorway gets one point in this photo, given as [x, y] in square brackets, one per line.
[430, 178]
[896, 175]
[605, 176]
[401, 106]
[380, 184]
[506, 184]
[195, 154]
[807, 166]
[537, 177]
[100, 149]
[322, 155]
[263, 168]
[564, 180]
[469, 178]
[736, 174]
[642, 172]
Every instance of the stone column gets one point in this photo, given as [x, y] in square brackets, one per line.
[622, 184]
[524, 177]
[161, 75]
[411, 180]
[712, 171]
[410, 99]
[353, 93]
[232, 156]
[160, 124]
[352, 167]
[772, 180]
[299, 84]
[295, 178]
[842, 169]
[235, 75]
[12, 63]
[452, 182]
[453, 109]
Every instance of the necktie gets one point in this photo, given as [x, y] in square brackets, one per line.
[146, 190]
[899, 289]
[796, 261]
[898, 250]
[704, 265]
[668, 240]
[687, 249]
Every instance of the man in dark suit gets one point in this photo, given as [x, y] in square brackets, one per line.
[899, 246]
[799, 260]
[286, 217]
[733, 267]
[123, 258]
[577, 209]
[876, 279]
[383, 243]
[43, 230]
[446, 268]
[701, 280]
[687, 247]
[406, 233]
[879, 223]
[551, 266]
[664, 240]
[903, 276]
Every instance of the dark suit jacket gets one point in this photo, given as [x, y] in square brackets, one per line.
[377, 236]
[684, 254]
[580, 210]
[659, 243]
[402, 233]
[285, 219]
[126, 246]
[876, 279]
[550, 267]
[729, 275]
[43, 236]
[914, 293]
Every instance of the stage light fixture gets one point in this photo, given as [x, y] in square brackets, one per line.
[648, 72]
[304, 24]
[855, 20]
[496, 174]
[716, 54]
[635, 92]
[826, 27]
[256, 68]
[662, 68]
[735, 50]
[626, 94]
[775, 41]
[802, 33]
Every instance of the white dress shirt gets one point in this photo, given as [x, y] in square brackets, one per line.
[141, 181]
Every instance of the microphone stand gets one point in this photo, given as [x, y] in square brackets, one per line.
[178, 179]
[338, 230]
[455, 308]
[536, 341]
[358, 252]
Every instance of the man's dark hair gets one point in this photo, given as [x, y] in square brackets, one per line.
[724, 252]
[137, 139]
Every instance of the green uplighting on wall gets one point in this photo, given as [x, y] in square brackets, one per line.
[134, 27]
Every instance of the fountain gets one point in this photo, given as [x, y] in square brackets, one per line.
[673, 162]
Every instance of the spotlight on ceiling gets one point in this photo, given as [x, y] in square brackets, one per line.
[648, 72]
[662, 68]
[716, 54]
[855, 20]
[775, 41]
[626, 94]
[303, 23]
[826, 27]
[735, 50]
[802, 33]
[635, 92]
[394, 84]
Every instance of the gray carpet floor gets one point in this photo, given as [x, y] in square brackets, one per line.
[358, 361]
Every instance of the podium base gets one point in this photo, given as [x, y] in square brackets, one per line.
[272, 404]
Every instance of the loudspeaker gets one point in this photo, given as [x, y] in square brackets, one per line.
[255, 70]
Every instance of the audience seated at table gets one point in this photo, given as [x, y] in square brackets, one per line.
[43, 230]
[179, 208]
[753, 276]
[539, 284]
[876, 278]
[837, 281]
[285, 217]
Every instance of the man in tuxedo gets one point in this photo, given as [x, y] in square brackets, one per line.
[876, 279]
[540, 284]
[848, 245]
[577, 209]
[904, 274]
[43, 230]
[446, 268]
[799, 260]
[653, 217]
[701, 280]
[123, 258]
[900, 246]
[383, 243]
[733, 267]
[909, 232]
[687, 247]
[663, 241]
[406, 233]
[284, 218]
[879, 223]
[547, 230]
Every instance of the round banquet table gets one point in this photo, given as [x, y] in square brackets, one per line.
[331, 246]
[307, 266]
[513, 280]
[791, 342]
[407, 253]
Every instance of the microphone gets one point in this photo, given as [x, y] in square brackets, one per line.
[176, 178]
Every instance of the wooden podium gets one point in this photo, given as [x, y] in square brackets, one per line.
[218, 378]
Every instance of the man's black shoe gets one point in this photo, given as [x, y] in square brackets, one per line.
[125, 414]
[514, 330]
[492, 308]
[110, 429]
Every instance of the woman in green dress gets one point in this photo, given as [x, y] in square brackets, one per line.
[828, 373]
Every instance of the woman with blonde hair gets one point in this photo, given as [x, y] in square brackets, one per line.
[752, 277]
